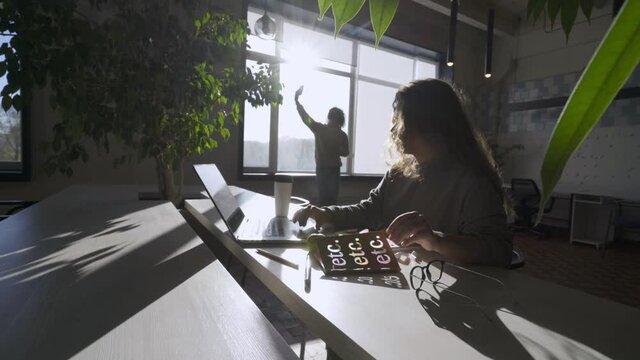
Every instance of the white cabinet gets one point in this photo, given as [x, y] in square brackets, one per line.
[592, 219]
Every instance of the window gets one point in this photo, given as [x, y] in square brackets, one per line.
[372, 130]
[13, 150]
[322, 90]
[347, 73]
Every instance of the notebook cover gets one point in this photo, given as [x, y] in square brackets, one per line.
[354, 253]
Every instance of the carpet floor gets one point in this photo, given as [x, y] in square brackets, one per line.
[612, 273]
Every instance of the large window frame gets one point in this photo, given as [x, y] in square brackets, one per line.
[357, 37]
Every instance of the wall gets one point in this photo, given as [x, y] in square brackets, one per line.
[414, 24]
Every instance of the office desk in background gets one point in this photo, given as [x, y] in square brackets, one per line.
[386, 320]
[91, 272]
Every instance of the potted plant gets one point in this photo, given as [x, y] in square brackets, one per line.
[162, 78]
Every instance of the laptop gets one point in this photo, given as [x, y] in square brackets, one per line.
[263, 229]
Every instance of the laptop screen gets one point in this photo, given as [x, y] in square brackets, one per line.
[219, 192]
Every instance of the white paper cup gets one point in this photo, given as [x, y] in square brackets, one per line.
[282, 192]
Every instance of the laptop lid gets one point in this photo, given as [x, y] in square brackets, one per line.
[233, 216]
[219, 192]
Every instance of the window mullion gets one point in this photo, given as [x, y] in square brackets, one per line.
[352, 106]
[275, 109]
[273, 130]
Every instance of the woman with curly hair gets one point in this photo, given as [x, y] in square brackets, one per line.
[444, 192]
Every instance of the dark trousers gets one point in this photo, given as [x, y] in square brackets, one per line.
[328, 179]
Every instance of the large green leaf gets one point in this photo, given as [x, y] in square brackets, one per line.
[382, 12]
[323, 6]
[609, 68]
[344, 11]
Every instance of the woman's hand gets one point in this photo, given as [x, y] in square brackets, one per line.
[320, 215]
[412, 228]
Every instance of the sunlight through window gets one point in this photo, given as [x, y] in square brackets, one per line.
[335, 71]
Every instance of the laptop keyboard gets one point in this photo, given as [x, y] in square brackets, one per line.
[251, 228]
[256, 228]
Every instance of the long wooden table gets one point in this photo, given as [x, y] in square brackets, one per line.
[92, 272]
[380, 316]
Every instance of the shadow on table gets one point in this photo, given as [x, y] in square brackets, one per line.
[85, 294]
[473, 323]
[534, 325]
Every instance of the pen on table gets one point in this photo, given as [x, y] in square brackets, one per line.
[307, 272]
[277, 258]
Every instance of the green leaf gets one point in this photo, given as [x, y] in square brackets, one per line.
[568, 15]
[17, 102]
[6, 103]
[534, 9]
[531, 4]
[608, 69]
[553, 8]
[382, 12]
[323, 6]
[343, 11]
[587, 6]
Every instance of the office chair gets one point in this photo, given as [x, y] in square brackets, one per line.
[526, 203]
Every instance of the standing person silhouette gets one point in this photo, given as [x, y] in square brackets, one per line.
[331, 143]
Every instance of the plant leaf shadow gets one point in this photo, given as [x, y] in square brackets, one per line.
[55, 307]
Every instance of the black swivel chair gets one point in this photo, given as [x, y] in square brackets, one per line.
[526, 203]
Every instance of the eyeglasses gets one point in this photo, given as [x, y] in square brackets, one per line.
[432, 273]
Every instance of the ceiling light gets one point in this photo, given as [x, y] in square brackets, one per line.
[452, 32]
[489, 51]
[266, 26]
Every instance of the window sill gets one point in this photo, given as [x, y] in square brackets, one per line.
[14, 176]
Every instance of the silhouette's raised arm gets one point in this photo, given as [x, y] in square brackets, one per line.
[304, 116]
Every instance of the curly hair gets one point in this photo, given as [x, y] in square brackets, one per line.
[432, 109]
